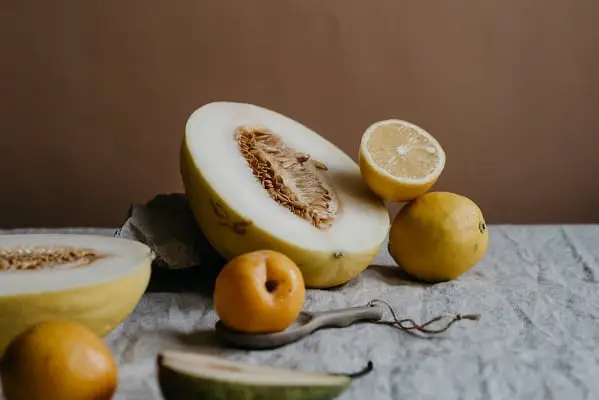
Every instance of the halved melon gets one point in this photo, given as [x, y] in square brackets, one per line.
[257, 179]
[183, 375]
[93, 280]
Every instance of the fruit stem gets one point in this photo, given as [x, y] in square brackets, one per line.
[364, 371]
[271, 285]
[408, 324]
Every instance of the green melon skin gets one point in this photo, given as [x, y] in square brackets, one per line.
[175, 385]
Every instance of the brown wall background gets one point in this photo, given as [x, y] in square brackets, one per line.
[95, 94]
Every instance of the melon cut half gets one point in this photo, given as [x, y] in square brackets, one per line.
[184, 375]
[93, 280]
[256, 179]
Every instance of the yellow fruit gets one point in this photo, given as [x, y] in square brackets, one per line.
[400, 161]
[438, 236]
[92, 280]
[256, 179]
[259, 292]
[58, 360]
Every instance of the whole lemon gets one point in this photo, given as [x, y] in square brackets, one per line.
[58, 360]
[438, 236]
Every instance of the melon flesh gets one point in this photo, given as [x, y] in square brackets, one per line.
[183, 375]
[99, 294]
[218, 181]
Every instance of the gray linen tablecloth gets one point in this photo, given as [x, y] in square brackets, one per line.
[536, 291]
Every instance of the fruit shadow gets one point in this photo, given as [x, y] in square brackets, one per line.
[153, 341]
[200, 281]
[395, 275]
[203, 340]
[187, 280]
[391, 275]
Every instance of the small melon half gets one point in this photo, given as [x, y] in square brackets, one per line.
[92, 280]
[183, 375]
[256, 179]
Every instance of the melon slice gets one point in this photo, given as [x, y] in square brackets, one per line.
[256, 179]
[183, 375]
[93, 280]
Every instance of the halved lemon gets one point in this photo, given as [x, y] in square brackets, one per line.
[400, 161]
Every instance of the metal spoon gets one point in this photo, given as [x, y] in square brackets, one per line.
[306, 323]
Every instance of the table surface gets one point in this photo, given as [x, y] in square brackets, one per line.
[536, 291]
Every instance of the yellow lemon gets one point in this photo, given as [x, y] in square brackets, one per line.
[399, 161]
[438, 236]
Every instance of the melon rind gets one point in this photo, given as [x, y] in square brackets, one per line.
[87, 295]
[321, 267]
[183, 383]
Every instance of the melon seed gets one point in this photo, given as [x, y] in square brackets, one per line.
[35, 258]
[288, 177]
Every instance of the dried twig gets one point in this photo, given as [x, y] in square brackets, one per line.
[409, 324]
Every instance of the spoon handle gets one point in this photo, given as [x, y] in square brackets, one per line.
[346, 316]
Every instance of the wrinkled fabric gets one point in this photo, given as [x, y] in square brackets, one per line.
[536, 292]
